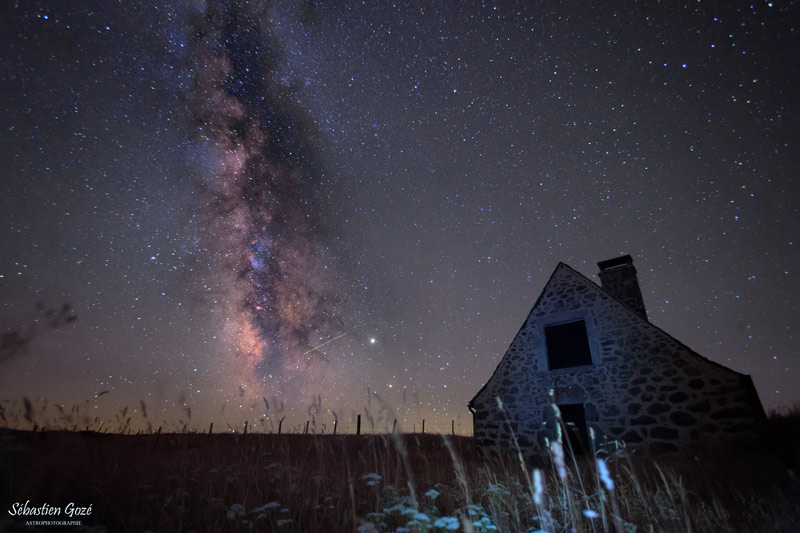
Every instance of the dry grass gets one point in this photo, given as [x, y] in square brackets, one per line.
[229, 482]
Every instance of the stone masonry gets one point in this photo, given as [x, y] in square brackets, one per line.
[642, 387]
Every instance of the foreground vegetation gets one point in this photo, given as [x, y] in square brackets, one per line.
[230, 482]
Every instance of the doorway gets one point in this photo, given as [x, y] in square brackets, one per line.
[574, 418]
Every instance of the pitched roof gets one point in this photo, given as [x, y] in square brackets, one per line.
[597, 287]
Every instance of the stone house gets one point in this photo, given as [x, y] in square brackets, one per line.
[591, 351]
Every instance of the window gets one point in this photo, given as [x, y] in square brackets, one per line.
[574, 419]
[567, 345]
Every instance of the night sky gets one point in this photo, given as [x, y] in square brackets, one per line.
[256, 211]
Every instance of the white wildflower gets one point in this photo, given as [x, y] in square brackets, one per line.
[236, 510]
[372, 479]
[588, 513]
[432, 494]
[265, 507]
[484, 523]
[447, 522]
[398, 507]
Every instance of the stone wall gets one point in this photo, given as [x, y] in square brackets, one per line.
[643, 387]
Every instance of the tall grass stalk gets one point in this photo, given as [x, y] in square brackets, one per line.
[278, 483]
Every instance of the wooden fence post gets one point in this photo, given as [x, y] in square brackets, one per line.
[358, 425]
[210, 428]
[394, 426]
[306, 431]
[423, 426]
[279, 425]
[453, 427]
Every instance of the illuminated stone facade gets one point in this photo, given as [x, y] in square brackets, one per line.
[641, 386]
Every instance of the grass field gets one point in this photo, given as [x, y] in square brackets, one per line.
[411, 482]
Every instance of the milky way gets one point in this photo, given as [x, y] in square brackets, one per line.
[268, 250]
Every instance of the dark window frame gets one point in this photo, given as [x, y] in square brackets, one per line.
[569, 337]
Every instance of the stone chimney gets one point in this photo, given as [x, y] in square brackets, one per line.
[618, 277]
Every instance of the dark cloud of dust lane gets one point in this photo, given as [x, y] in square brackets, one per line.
[269, 252]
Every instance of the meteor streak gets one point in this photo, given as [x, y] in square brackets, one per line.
[324, 343]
